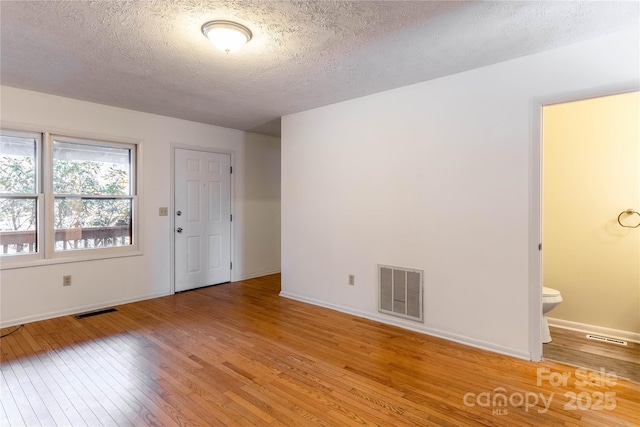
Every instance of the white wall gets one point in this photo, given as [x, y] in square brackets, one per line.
[36, 292]
[433, 176]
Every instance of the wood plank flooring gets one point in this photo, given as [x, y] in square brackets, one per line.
[240, 355]
[574, 348]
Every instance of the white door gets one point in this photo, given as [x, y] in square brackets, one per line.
[202, 219]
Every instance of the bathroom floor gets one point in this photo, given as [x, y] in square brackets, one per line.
[574, 348]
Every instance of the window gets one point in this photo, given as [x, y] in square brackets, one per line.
[65, 197]
[19, 199]
[92, 193]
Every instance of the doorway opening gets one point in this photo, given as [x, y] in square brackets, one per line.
[590, 177]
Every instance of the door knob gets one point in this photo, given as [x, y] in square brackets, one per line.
[179, 230]
[179, 213]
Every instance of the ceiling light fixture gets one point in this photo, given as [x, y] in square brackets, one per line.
[226, 35]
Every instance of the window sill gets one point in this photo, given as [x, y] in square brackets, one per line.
[15, 264]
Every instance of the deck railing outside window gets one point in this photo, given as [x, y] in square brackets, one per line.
[14, 242]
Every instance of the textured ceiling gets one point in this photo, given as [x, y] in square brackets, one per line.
[151, 56]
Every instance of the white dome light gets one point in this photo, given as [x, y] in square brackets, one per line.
[226, 35]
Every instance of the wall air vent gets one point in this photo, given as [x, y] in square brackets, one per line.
[400, 292]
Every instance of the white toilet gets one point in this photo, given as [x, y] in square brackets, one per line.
[550, 298]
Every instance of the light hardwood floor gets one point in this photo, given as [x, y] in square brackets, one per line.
[238, 354]
[574, 348]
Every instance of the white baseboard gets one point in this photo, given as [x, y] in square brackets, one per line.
[483, 345]
[254, 275]
[76, 310]
[596, 330]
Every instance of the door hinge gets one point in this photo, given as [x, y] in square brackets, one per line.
[231, 266]
[539, 246]
[231, 218]
[230, 169]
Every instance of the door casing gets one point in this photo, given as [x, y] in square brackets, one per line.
[535, 202]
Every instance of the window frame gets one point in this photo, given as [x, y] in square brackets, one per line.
[37, 194]
[45, 235]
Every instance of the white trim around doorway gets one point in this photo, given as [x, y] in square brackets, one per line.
[535, 200]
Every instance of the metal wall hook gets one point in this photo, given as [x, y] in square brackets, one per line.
[629, 212]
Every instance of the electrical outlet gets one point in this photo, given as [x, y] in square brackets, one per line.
[352, 279]
[163, 211]
[66, 280]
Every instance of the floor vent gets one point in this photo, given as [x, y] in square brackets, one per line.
[400, 292]
[95, 313]
[606, 339]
